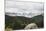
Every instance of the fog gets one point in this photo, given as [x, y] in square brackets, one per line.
[23, 8]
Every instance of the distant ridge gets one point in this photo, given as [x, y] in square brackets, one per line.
[21, 22]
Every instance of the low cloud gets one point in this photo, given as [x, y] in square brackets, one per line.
[33, 8]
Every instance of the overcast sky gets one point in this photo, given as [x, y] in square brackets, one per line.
[30, 8]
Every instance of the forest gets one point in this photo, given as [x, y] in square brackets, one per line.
[19, 22]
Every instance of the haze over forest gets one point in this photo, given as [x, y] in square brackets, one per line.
[24, 8]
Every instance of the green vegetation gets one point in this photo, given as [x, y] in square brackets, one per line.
[8, 29]
[19, 22]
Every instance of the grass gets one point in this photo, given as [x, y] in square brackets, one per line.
[8, 29]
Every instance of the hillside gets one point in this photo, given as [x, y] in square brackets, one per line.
[19, 22]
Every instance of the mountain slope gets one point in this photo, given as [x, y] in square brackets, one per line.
[39, 20]
[19, 22]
